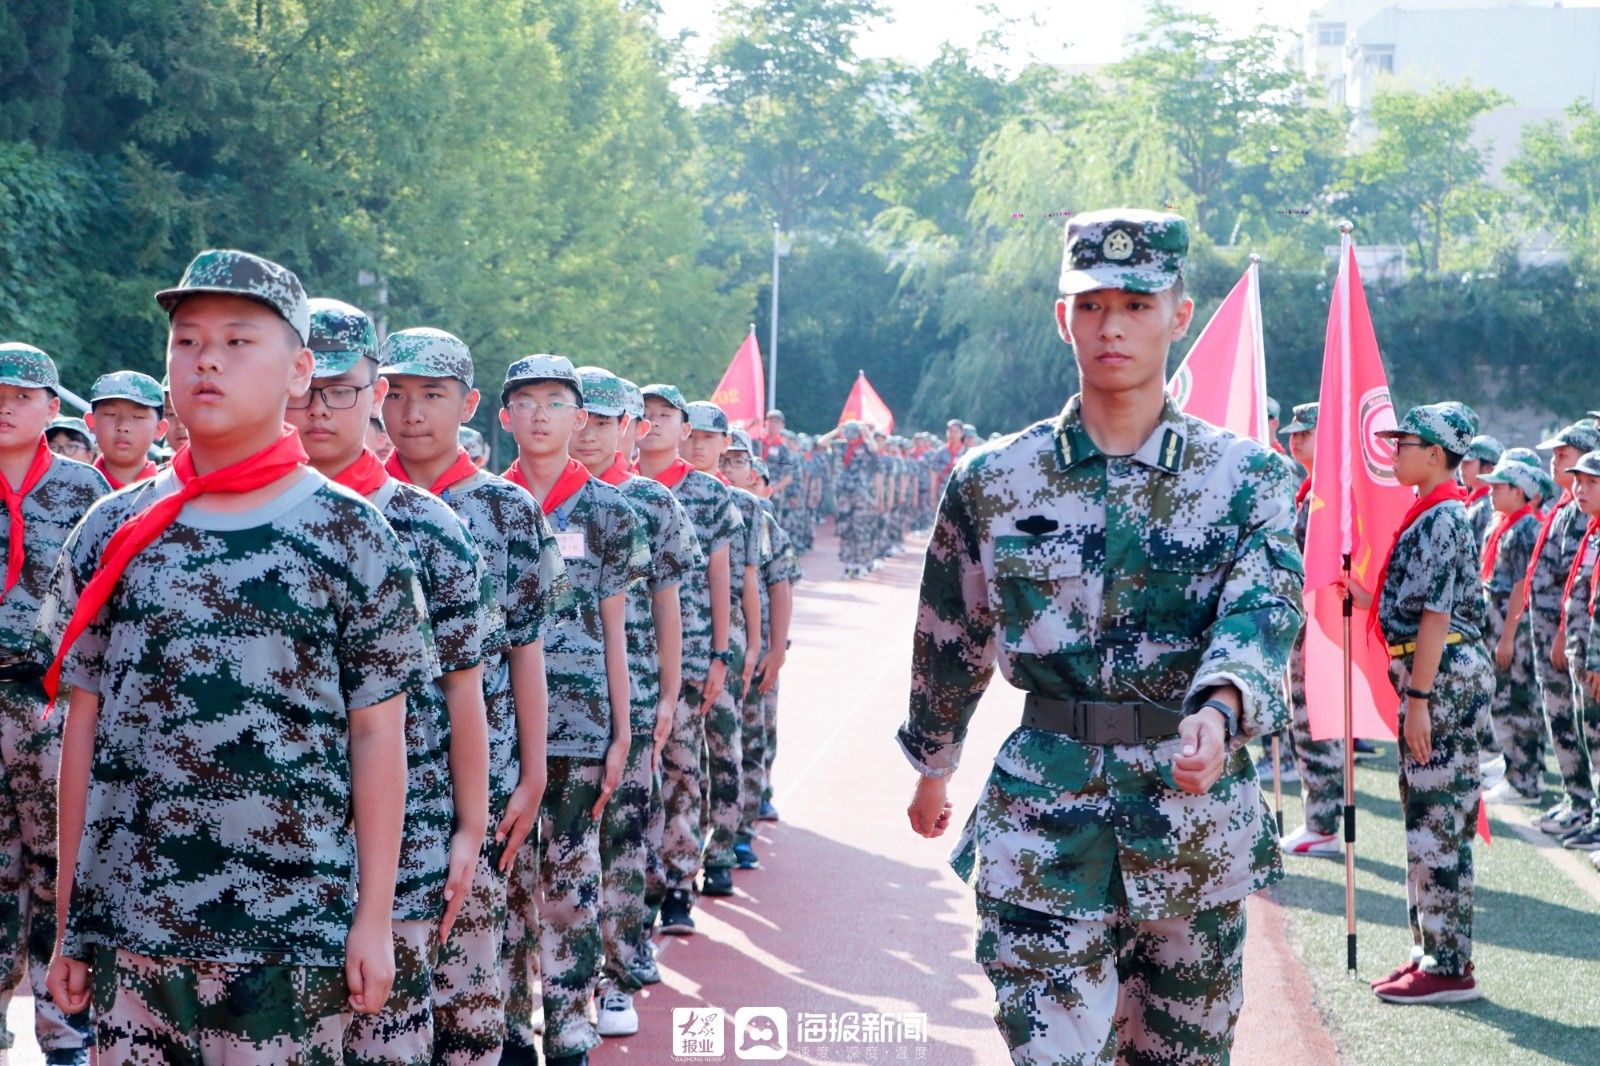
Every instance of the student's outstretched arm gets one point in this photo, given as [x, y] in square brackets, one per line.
[68, 979]
[377, 791]
[532, 698]
[666, 611]
[613, 610]
[469, 784]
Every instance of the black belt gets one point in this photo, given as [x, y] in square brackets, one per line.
[21, 670]
[1101, 723]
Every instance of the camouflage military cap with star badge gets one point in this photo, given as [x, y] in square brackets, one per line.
[131, 385]
[1516, 474]
[341, 336]
[1588, 463]
[1123, 248]
[1451, 425]
[425, 352]
[228, 272]
[25, 367]
[1305, 418]
[541, 367]
[707, 417]
[603, 392]
[1486, 449]
[1582, 435]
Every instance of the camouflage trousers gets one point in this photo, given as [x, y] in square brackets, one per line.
[468, 999]
[187, 1012]
[402, 1033]
[1561, 715]
[624, 866]
[796, 522]
[1320, 762]
[553, 936]
[722, 760]
[753, 760]
[769, 717]
[1518, 724]
[30, 754]
[854, 526]
[1071, 992]
[1439, 802]
[682, 841]
[1586, 713]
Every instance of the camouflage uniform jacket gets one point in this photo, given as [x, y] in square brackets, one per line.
[1555, 561]
[227, 663]
[1575, 612]
[852, 485]
[1480, 514]
[49, 511]
[1512, 555]
[781, 565]
[717, 524]
[604, 550]
[1099, 602]
[752, 547]
[1434, 567]
[674, 554]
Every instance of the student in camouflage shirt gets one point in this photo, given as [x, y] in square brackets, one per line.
[1482, 456]
[1583, 584]
[857, 490]
[706, 601]
[1134, 571]
[235, 734]
[1431, 611]
[45, 497]
[125, 415]
[447, 746]
[431, 395]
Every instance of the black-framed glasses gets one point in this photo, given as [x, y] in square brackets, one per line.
[334, 397]
[1412, 444]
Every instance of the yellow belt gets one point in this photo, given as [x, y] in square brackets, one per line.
[1397, 650]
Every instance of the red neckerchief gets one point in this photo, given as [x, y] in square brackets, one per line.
[460, 470]
[1497, 529]
[364, 476]
[1572, 574]
[37, 467]
[1477, 494]
[1544, 533]
[1277, 446]
[617, 472]
[955, 451]
[675, 472]
[138, 532]
[850, 449]
[150, 470]
[573, 477]
[1594, 587]
[1304, 491]
[769, 443]
[1444, 493]
[720, 476]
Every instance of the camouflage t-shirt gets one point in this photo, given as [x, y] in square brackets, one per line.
[57, 502]
[604, 549]
[781, 565]
[227, 661]
[1555, 561]
[674, 554]
[1512, 555]
[716, 523]
[531, 590]
[1434, 567]
[1575, 614]
[458, 596]
[1480, 514]
[753, 547]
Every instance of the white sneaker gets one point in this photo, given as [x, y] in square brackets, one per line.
[617, 1016]
[1305, 842]
[1507, 796]
[1492, 770]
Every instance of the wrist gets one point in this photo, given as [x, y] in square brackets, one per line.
[1226, 717]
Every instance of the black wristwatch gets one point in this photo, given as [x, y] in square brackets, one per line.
[1230, 718]
[725, 656]
[1417, 694]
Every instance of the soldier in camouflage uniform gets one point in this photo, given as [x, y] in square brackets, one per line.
[777, 451]
[1432, 614]
[45, 497]
[1138, 578]
[856, 493]
[586, 661]
[447, 746]
[706, 649]
[125, 416]
[1482, 456]
[1582, 590]
[778, 577]
[303, 609]
[431, 395]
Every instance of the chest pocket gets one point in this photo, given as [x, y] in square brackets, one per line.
[1043, 594]
[1187, 565]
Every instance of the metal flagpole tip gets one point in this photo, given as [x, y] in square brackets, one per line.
[1255, 257]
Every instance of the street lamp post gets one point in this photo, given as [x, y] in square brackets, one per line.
[780, 248]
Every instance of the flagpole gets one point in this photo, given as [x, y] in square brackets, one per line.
[1348, 611]
[772, 334]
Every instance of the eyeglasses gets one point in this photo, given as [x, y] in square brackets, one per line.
[1412, 444]
[334, 397]
[528, 407]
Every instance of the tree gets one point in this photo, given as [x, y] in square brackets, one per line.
[1558, 170]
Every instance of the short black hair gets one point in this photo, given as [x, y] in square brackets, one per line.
[1451, 459]
[505, 393]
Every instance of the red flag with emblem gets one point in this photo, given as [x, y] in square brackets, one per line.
[742, 392]
[1223, 379]
[865, 405]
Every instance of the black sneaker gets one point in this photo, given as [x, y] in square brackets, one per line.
[745, 856]
[717, 881]
[767, 813]
[646, 973]
[580, 1059]
[1366, 748]
[517, 1055]
[1585, 839]
[675, 913]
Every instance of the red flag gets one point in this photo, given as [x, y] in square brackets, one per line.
[865, 405]
[1223, 379]
[1356, 506]
[742, 392]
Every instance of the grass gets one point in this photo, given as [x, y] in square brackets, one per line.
[1536, 946]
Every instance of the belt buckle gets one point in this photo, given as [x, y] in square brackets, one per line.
[1114, 726]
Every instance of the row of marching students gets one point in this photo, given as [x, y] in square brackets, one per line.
[362, 759]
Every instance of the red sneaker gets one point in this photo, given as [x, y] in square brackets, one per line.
[1420, 986]
[1394, 975]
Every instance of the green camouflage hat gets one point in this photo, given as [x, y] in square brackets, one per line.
[1588, 463]
[71, 425]
[472, 441]
[1519, 475]
[1450, 425]
[1487, 449]
[603, 392]
[1548, 489]
[128, 385]
[1123, 248]
[968, 427]
[425, 352]
[1274, 408]
[542, 367]
[760, 466]
[1521, 455]
[668, 393]
[775, 413]
[341, 336]
[740, 442]
[233, 273]
[1581, 435]
[707, 417]
[1305, 418]
[633, 399]
[25, 367]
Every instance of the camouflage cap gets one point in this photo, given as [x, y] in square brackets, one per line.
[740, 442]
[341, 336]
[1518, 475]
[955, 422]
[968, 427]
[707, 417]
[472, 441]
[1548, 489]
[1274, 408]
[633, 399]
[541, 367]
[25, 367]
[228, 272]
[1450, 425]
[1588, 463]
[1581, 435]
[1521, 455]
[775, 413]
[128, 385]
[1305, 418]
[1123, 248]
[603, 392]
[425, 352]
[1486, 449]
[760, 466]
[668, 393]
[65, 424]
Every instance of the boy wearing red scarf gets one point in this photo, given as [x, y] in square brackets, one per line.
[586, 661]
[431, 395]
[1482, 456]
[125, 417]
[447, 745]
[1431, 613]
[45, 497]
[238, 635]
[1583, 588]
